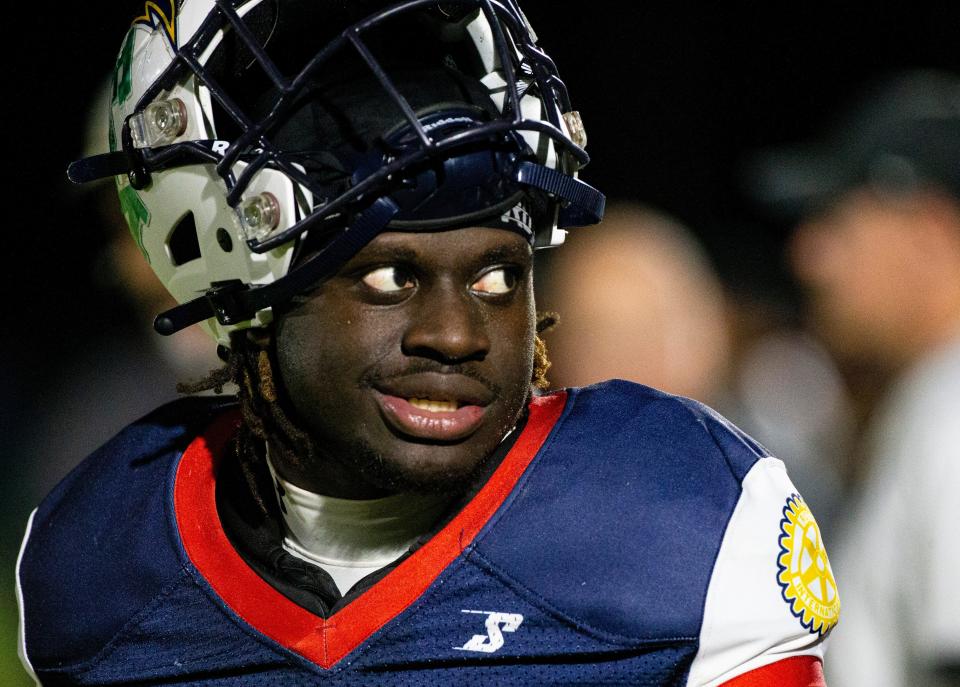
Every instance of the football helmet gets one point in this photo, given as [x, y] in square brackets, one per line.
[257, 145]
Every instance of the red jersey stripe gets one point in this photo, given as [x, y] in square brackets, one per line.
[796, 671]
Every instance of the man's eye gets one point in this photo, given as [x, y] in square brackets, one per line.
[499, 281]
[389, 279]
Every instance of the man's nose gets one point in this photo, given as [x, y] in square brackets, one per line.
[447, 324]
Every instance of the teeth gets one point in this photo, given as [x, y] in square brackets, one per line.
[433, 406]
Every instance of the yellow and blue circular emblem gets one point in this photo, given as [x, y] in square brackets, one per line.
[804, 572]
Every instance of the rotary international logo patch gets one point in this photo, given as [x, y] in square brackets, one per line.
[805, 577]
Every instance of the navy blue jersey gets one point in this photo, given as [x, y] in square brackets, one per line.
[628, 537]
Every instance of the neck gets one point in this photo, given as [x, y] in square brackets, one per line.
[351, 538]
[325, 475]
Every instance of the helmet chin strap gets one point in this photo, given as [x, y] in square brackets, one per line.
[583, 203]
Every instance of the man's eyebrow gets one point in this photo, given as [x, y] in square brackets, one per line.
[397, 253]
[491, 255]
[506, 252]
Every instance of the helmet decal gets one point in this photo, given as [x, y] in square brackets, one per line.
[160, 14]
[520, 217]
[134, 212]
[122, 77]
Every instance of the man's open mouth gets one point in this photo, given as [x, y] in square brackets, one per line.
[433, 407]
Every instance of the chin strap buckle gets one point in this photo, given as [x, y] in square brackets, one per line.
[227, 303]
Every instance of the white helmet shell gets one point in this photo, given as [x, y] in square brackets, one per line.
[181, 221]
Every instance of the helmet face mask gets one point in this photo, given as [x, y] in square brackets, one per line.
[239, 132]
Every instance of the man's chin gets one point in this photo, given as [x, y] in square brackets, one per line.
[429, 474]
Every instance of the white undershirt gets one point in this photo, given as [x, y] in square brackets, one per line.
[351, 538]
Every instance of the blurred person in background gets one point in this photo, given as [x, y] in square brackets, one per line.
[641, 300]
[638, 301]
[877, 249]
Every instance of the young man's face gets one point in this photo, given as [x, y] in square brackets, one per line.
[411, 363]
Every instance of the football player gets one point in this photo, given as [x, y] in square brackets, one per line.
[348, 197]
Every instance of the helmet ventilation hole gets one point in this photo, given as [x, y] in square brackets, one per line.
[183, 244]
[223, 238]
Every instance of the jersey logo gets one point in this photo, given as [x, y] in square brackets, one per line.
[805, 576]
[496, 624]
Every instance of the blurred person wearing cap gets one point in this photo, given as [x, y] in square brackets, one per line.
[640, 301]
[877, 248]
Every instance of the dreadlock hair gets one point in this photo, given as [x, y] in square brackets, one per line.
[251, 367]
[541, 363]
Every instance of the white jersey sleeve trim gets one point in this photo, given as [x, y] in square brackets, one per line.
[750, 619]
[21, 632]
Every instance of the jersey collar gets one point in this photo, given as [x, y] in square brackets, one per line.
[326, 641]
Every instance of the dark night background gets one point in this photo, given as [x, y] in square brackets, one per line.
[673, 96]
